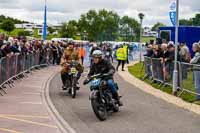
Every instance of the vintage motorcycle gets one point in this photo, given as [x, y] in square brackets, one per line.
[102, 100]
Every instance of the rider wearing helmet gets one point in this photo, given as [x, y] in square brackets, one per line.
[70, 54]
[102, 66]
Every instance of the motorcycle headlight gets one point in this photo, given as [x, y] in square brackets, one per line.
[95, 82]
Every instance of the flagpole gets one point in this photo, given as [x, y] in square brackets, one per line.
[45, 22]
[175, 74]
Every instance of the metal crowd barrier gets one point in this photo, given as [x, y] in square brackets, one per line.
[157, 70]
[190, 78]
[13, 66]
[162, 72]
[148, 66]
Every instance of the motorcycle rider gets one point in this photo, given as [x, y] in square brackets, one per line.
[70, 53]
[102, 66]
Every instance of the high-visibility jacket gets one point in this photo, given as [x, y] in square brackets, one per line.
[126, 51]
[82, 52]
[121, 54]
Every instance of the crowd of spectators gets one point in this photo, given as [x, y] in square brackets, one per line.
[163, 57]
[166, 53]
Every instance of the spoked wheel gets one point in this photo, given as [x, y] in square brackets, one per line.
[73, 92]
[99, 109]
[73, 89]
[68, 87]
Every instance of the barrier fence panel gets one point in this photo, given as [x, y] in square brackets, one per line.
[190, 78]
[12, 66]
[20, 63]
[168, 68]
[4, 76]
[2, 70]
[157, 70]
[147, 65]
[44, 57]
[188, 74]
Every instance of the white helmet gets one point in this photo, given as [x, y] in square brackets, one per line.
[97, 53]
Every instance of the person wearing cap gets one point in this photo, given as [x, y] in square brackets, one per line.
[70, 53]
[102, 66]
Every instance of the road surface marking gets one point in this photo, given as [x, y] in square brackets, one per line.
[31, 103]
[25, 116]
[8, 130]
[27, 121]
[32, 93]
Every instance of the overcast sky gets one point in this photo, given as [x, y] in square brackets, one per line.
[62, 10]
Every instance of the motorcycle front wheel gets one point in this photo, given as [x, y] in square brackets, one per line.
[99, 109]
[73, 89]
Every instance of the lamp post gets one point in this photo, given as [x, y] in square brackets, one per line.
[175, 73]
[141, 16]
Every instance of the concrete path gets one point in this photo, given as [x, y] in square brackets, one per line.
[23, 109]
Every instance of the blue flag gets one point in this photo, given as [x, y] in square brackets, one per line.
[172, 12]
[45, 23]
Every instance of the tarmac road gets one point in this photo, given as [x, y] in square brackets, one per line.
[142, 113]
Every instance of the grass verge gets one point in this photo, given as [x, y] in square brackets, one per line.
[137, 71]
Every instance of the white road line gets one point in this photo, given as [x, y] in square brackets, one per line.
[31, 103]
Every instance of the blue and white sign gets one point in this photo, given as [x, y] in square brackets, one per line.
[172, 12]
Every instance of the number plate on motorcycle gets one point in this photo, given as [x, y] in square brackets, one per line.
[73, 70]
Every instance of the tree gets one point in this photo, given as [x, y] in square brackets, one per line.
[23, 33]
[69, 30]
[51, 30]
[191, 22]
[129, 29]
[63, 30]
[16, 21]
[156, 26]
[8, 25]
[185, 22]
[99, 26]
[196, 20]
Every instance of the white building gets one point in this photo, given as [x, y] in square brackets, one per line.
[28, 26]
[148, 33]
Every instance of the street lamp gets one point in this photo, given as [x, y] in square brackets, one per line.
[175, 73]
[141, 16]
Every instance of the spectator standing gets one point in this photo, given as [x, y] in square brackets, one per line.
[185, 57]
[82, 53]
[184, 53]
[126, 47]
[165, 60]
[54, 52]
[121, 57]
[196, 60]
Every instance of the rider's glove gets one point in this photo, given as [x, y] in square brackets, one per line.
[85, 81]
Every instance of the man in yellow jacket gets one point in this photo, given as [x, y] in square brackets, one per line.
[126, 50]
[121, 57]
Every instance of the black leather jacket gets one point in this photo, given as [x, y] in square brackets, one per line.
[103, 67]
